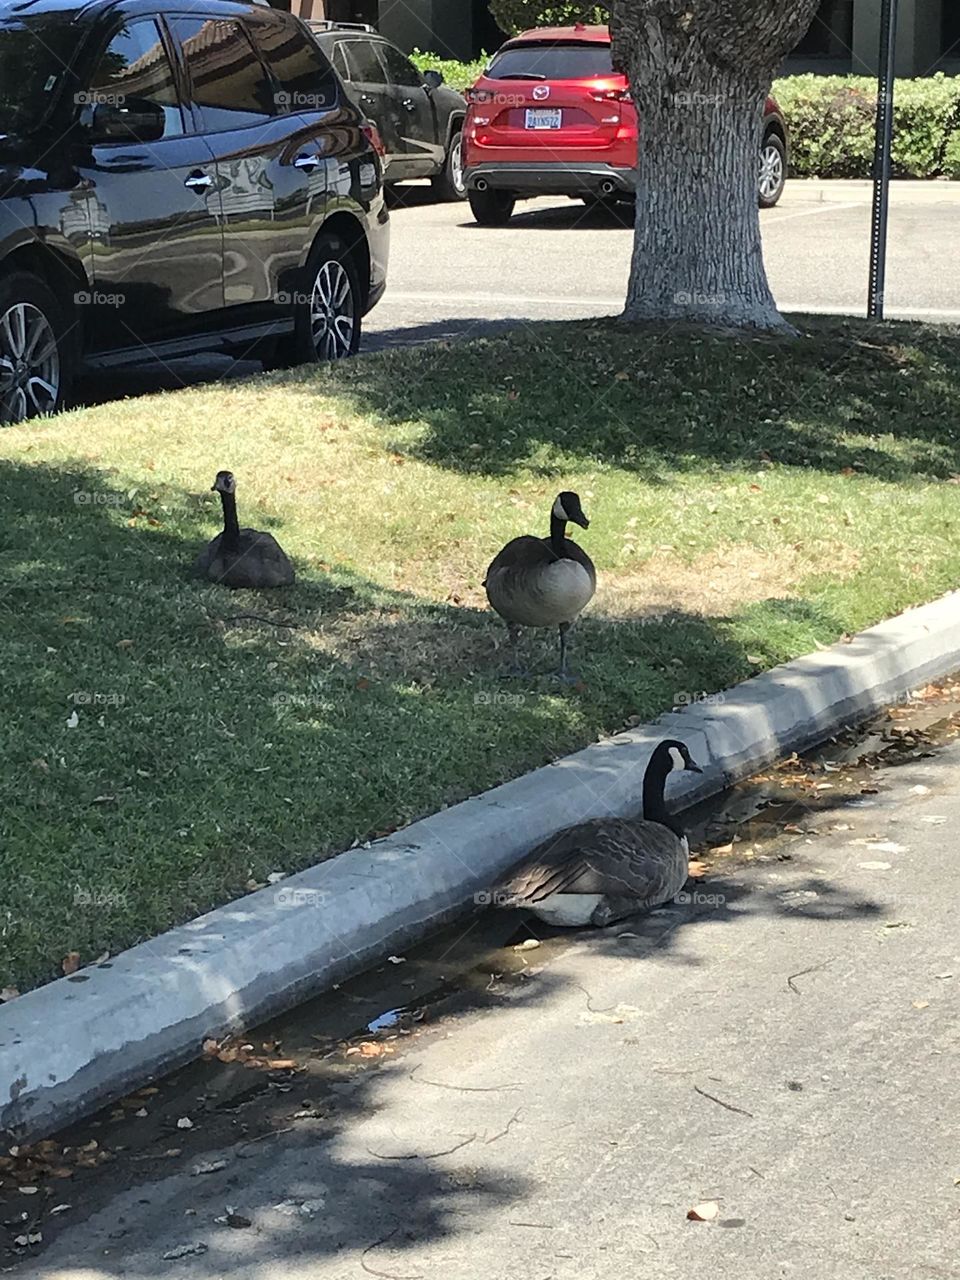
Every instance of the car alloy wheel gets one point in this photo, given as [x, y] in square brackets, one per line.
[456, 165]
[771, 170]
[332, 312]
[29, 363]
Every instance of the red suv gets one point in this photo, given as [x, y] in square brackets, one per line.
[550, 116]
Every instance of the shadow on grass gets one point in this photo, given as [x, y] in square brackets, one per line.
[168, 742]
[877, 400]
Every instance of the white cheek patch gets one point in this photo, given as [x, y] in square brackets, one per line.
[676, 759]
[559, 511]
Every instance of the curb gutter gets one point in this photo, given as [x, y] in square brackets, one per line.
[82, 1041]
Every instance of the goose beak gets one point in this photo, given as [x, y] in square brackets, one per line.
[694, 768]
[582, 521]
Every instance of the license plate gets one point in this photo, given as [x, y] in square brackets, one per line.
[544, 117]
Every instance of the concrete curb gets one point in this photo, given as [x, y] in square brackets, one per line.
[903, 191]
[84, 1040]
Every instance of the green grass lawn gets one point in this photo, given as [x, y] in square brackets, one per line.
[163, 749]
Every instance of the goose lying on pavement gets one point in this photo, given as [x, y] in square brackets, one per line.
[610, 868]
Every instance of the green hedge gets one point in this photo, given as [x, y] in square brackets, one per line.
[521, 15]
[831, 121]
[459, 75]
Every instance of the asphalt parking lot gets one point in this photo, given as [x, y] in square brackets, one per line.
[556, 260]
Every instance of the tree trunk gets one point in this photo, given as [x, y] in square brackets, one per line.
[700, 72]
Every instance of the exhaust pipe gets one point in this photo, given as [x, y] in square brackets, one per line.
[481, 184]
[607, 188]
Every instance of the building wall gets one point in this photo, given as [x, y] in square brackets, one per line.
[844, 37]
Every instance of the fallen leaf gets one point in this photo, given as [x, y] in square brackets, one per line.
[528, 944]
[369, 1049]
[208, 1166]
[397, 959]
[184, 1123]
[917, 1004]
[70, 962]
[60, 1208]
[184, 1251]
[124, 644]
[706, 1211]
[874, 866]
[754, 660]
[73, 720]
[29, 1191]
[282, 1064]
[722, 849]
[8, 993]
[696, 869]
[210, 1046]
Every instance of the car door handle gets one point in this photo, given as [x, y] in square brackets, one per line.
[198, 181]
[306, 162]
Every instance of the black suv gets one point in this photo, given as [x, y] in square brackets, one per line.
[175, 176]
[418, 117]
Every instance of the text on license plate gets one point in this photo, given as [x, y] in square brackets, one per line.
[544, 117]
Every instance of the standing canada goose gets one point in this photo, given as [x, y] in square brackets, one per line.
[604, 870]
[242, 557]
[543, 582]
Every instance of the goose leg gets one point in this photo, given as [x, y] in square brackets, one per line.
[563, 674]
[514, 633]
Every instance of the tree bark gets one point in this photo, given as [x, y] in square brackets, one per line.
[700, 72]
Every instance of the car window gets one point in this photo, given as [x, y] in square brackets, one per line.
[135, 65]
[229, 83]
[340, 62]
[553, 61]
[364, 65]
[301, 70]
[400, 69]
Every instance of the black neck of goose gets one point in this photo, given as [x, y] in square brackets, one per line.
[231, 525]
[558, 534]
[654, 804]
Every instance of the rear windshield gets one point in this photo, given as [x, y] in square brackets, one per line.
[34, 56]
[552, 62]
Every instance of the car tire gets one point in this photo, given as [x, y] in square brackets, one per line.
[37, 361]
[492, 208]
[326, 310]
[773, 171]
[448, 183]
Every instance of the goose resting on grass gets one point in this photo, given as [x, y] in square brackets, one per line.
[242, 557]
[602, 871]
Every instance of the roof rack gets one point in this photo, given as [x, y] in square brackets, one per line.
[342, 26]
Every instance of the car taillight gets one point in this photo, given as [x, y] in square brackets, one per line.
[372, 135]
[612, 95]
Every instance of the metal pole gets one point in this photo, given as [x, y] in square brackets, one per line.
[881, 160]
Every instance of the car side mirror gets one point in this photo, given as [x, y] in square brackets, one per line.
[433, 79]
[132, 120]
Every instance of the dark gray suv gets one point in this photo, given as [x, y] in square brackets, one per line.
[176, 176]
[418, 117]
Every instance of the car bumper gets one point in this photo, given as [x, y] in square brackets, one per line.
[552, 178]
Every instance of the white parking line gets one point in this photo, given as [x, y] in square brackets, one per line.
[773, 217]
